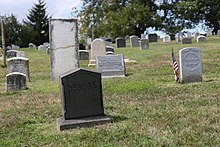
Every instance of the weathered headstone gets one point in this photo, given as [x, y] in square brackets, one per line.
[20, 54]
[143, 36]
[14, 46]
[98, 47]
[12, 53]
[196, 35]
[110, 48]
[201, 39]
[134, 40]
[179, 37]
[190, 65]
[18, 64]
[111, 66]
[40, 48]
[82, 102]
[166, 39]
[108, 39]
[31, 45]
[120, 42]
[64, 46]
[152, 37]
[209, 32]
[144, 44]
[15, 81]
[186, 40]
[83, 55]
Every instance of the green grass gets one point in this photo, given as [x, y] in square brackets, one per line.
[148, 107]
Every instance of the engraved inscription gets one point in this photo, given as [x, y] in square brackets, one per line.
[81, 86]
[191, 61]
[110, 63]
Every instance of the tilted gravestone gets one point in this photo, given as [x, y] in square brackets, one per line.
[152, 37]
[166, 39]
[144, 44]
[82, 101]
[98, 47]
[201, 39]
[18, 64]
[120, 42]
[186, 40]
[83, 55]
[15, 81]
[110, 66]
[134, 40]
[64, 46]
[190, 65]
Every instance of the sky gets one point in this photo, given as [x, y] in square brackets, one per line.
[56, 8]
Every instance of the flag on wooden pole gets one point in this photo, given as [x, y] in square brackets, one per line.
[175, 67]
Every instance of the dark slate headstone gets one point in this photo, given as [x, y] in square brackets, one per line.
[83, 55]
[15, 81]
[186, 40]
[12, 53]
[152, 37]
[120, 42]
[82, 47]
[110, 66]
[172, 36]
[108, 39]
[110, 48]
[82, 102]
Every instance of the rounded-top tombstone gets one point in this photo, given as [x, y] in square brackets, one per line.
[201, 38]
[134, 40]
[120, 42]
[98, 47]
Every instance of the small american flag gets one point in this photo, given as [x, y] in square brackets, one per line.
[175, 67]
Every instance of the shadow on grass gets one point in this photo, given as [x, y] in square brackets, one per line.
[209, 80]
[117, 118]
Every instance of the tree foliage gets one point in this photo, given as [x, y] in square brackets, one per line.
[37, 19]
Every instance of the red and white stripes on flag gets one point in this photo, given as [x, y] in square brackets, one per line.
[175, 67]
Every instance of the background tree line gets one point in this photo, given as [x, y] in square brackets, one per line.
[114, 18]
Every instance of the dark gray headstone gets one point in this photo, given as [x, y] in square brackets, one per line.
[12, 53]
[172, 36]
[83, 55]
[186, 40]
[120, 42]
[108, 39]
[152, 37]
[110, 66]
[15, 81]
[82, 47]
[109, 48]
[82, 102]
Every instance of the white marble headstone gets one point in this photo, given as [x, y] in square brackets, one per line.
[190, 65]
[64, 46]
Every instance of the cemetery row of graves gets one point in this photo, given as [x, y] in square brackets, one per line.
[126, 91]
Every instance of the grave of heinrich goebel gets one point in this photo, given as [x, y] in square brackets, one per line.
[63, 46]
[111, 66]
[190, 65]
[82, 101]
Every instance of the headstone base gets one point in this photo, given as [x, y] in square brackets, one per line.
[82, 122]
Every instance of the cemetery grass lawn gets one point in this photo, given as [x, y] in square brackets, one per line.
[148, 107]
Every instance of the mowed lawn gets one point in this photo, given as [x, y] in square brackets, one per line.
[148, 107]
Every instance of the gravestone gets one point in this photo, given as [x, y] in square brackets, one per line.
[14, 46]
[179, 37]
[172, 36]
[110, 53]
[98, 47]
[83, 55]
[134, 40]
[46, 45]
[82, 47]
[31, 45]
[107, 43]
[15, 81]
[166, 39]
[152, 37]
[189, 34]
[12, 53]
[40, 48]
[88, 40]
[201, 39]
[196, 35]
[218, 33]
[144, 44]
[21, 54]
[108, 39]
[143, 36]
[48, 50]
[190, 65]
[64, 46]
[110, 48]
[18, 64]
[209, 32]
[110, 66]
[120, 42]
[186, 40]
[82, 102]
